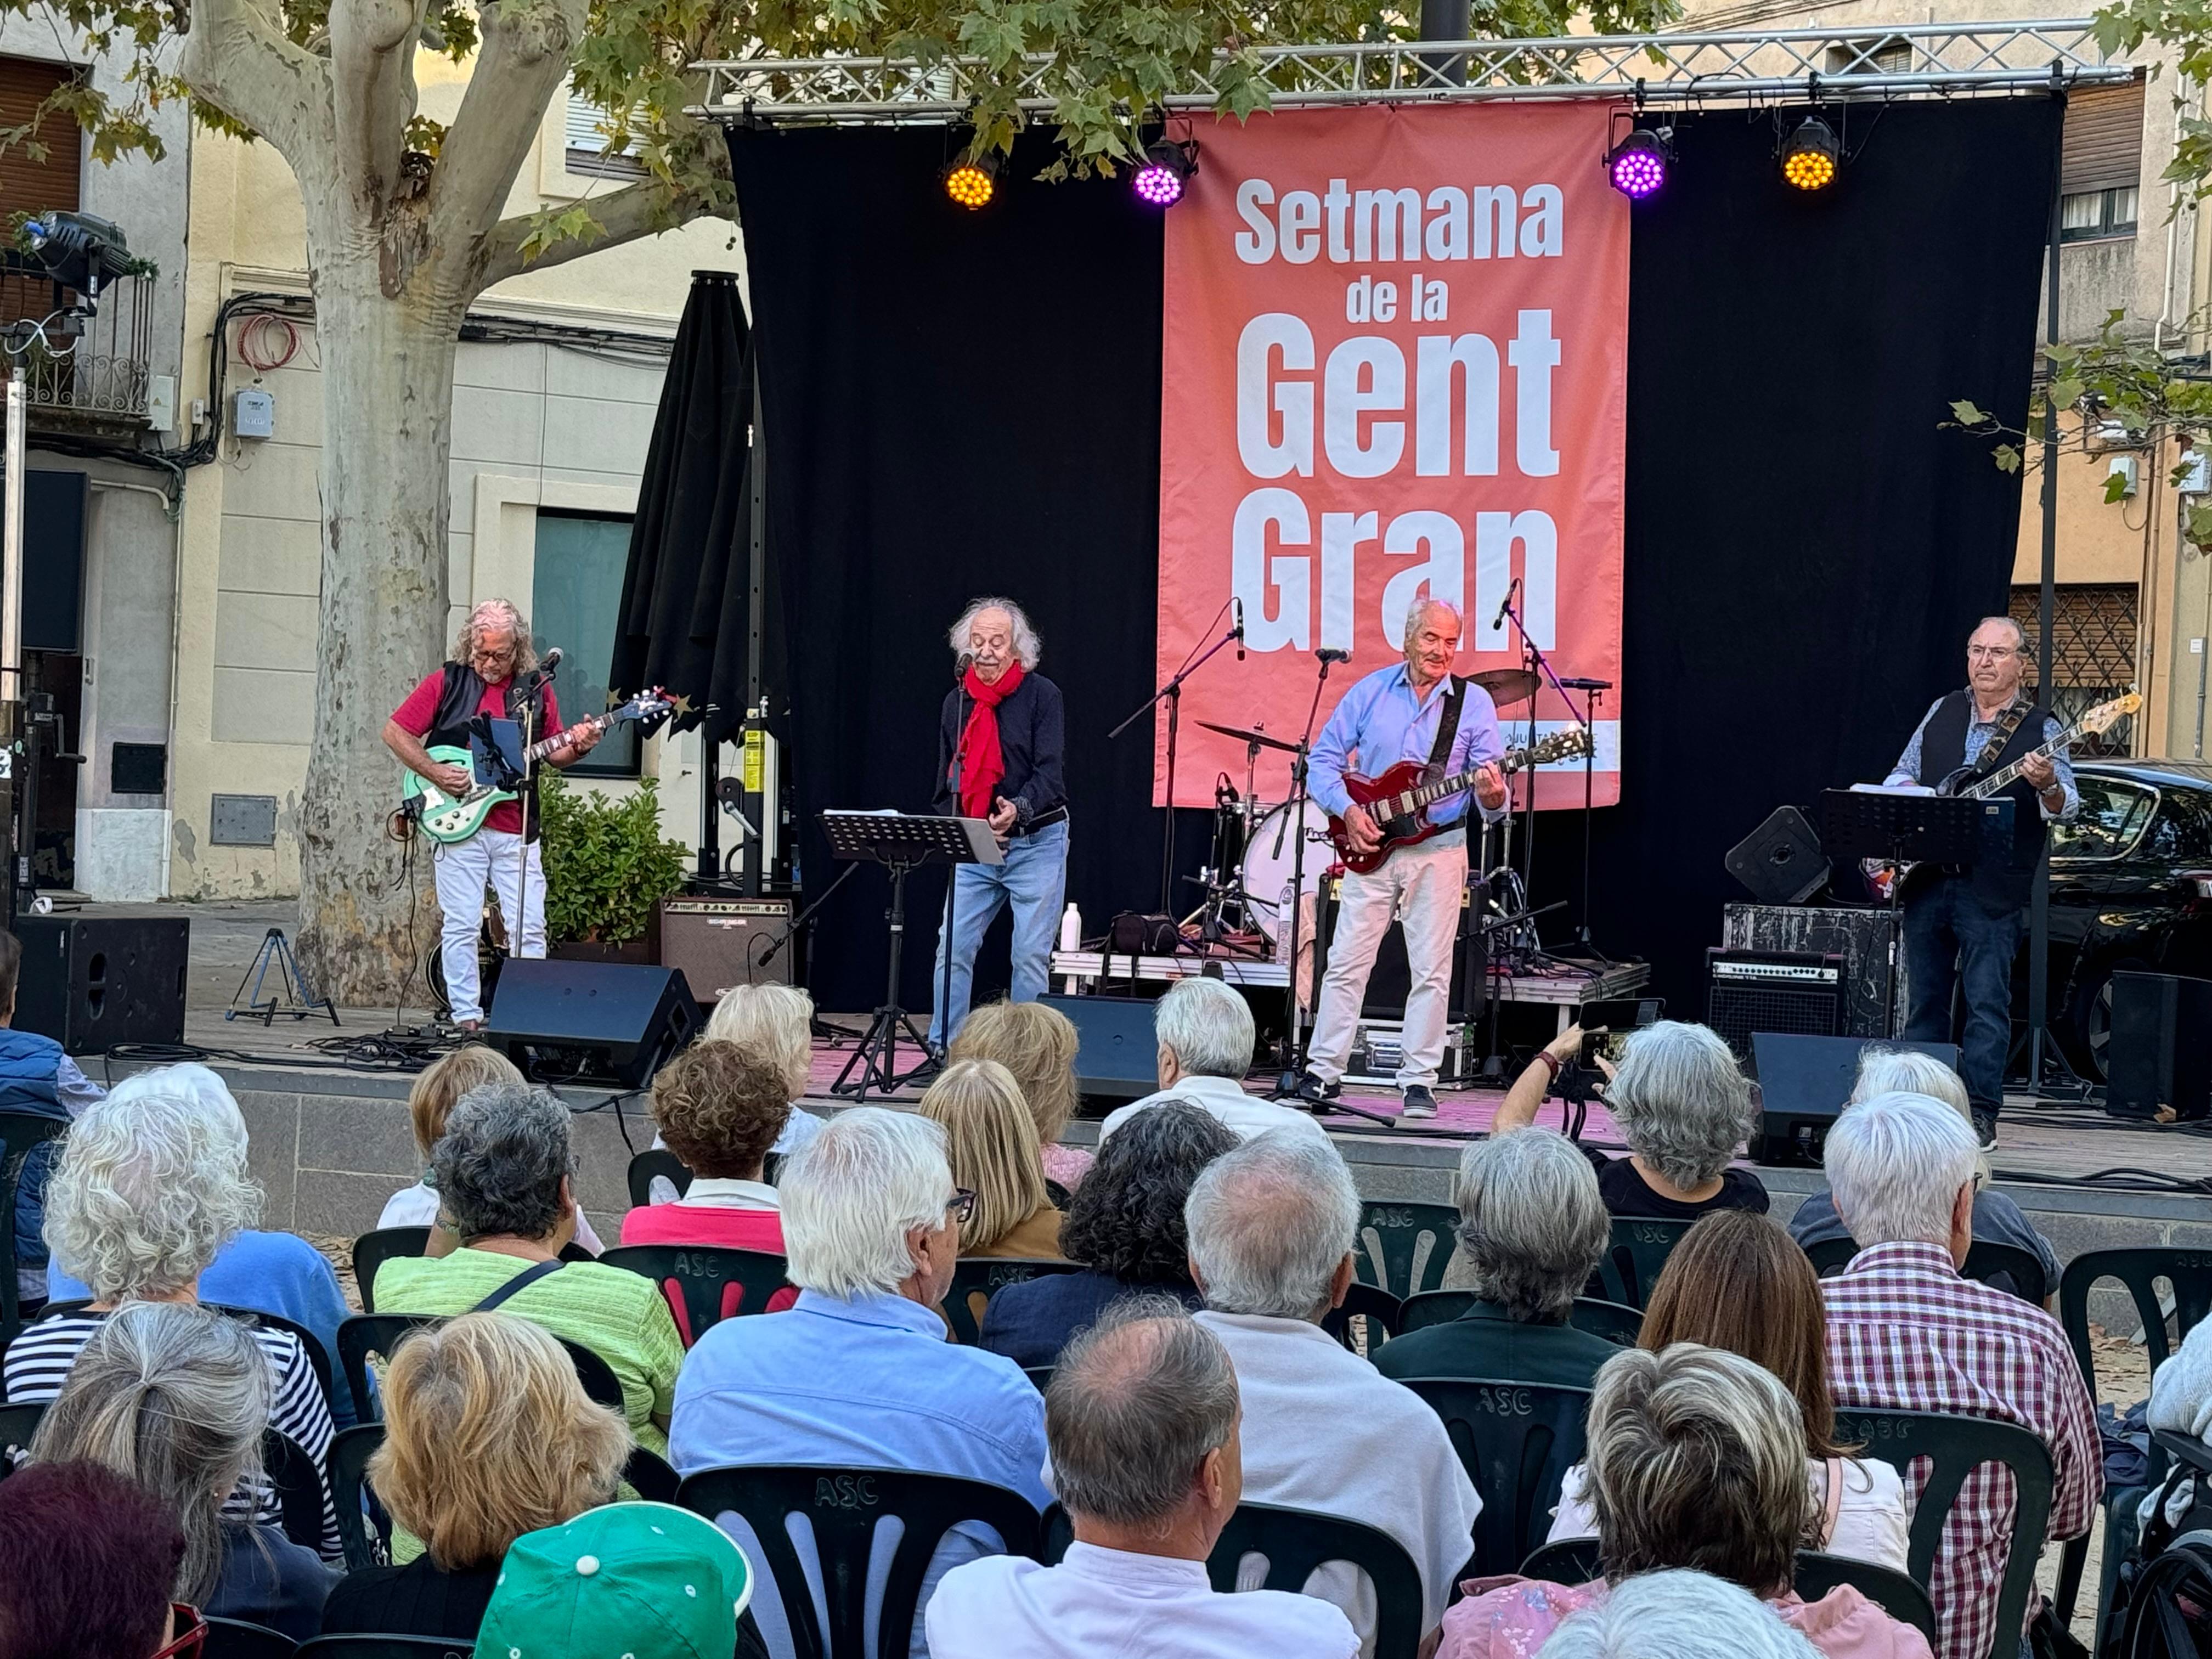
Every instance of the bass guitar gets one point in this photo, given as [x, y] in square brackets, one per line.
[447, 819]
[1397, 798]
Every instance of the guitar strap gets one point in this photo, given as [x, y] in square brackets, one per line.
[1454, 693]
[1993, 751]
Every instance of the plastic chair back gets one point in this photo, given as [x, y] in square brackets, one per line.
[1296, 1542]
[843, 1507]
[19, 1132]
[1610, 1319]
[234, 1638]
[2002, 1267]
[371, 1250]
[18, 1423]
[1831, 1256]
[650, 1476]
[1404, 1248]
[1638, 1250]
[1901, 1597]
[1956, 1447]
[659, 1161]
[386, 1647]
[1566, 1561]
[704, 1284]
[976, 1278]
[1377, 1308]
[1040, 1377]
[367, 1335]
[1517, 1441]
[1432, 1308]
[297, 1480]
[364, 1528]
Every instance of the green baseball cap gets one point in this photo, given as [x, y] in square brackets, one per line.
[630, 1581]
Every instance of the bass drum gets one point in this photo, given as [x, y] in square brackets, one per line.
[1268, 858]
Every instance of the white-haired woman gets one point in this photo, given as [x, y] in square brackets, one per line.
[1683, 1105]
[1001, 748]
[1907, 1070]
[151, 1185]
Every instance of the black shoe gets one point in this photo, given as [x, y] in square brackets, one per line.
[1312, 1091]
[1420, 1103]
[1985, 1125]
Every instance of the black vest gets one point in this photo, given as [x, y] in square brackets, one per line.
[458, 700]
[2002, 885]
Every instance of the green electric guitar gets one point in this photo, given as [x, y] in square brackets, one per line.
[448, 819]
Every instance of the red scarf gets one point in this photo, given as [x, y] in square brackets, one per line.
[982, 766]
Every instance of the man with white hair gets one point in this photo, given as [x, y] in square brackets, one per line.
[1674, 1615]
[488, 673]
[1001, 749]
[1416, 710]
[1207, 1037]
[857, 1371]
[1907, 1332]
[1272, 1228]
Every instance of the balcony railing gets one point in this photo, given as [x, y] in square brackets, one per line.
[96, 370]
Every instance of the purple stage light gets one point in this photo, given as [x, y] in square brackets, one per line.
[1638, 167]
[1158, 186]
[1169, 166]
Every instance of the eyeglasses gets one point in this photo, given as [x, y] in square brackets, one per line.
[962, 1205]
[191, 1632]
[1993, 653]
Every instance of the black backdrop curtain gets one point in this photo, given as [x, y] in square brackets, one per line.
[961, 403]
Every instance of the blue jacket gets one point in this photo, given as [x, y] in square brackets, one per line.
[28, 1063]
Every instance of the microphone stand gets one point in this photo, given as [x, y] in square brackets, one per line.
[943, 1021]
[1536, 660]
[1173, 692]
[533, 689]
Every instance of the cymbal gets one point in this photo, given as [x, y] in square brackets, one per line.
[1260, 737]
[1506, 686]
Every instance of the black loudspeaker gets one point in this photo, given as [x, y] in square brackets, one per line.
[1803, 1082]
[90, 983]
[1781, 862]
[2151, 1069]
[1749, 991]
[608, 1021]
[1116, 1056]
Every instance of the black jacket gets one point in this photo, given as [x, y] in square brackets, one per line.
[1032, 738]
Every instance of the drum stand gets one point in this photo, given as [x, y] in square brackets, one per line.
[1224, 879]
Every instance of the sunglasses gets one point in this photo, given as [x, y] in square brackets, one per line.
[191, 1632]
[960, 1207]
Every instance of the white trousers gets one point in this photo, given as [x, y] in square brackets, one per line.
[1421, 887]
[463, 870]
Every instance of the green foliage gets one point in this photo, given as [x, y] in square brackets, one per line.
[605, 862]
[2186, 27]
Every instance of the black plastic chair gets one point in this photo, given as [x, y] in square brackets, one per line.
[234, 1638]
[1956, 1447]
[650, 1476]
[1363, 1301]
[1831, 1256]
[1987, 1261]
[365, 1336]
[364, 1528]
[18, 1423]
[1631, 1266]
[1432, 1308]
[842, 1505]
[385, 1647]
[1610, 1319]
[658, 1161]
[704, 1284]
[371, 1250]
[1040, 1377]
[976, 1278]
[297, 1480]
[1296, 1542]
[1517, 1441]
[1404, 1248]
[1566, 1561]
[19, 1132]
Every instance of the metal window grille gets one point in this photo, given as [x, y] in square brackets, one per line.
[2093, 653]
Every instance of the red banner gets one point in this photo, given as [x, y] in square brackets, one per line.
[1395, 362]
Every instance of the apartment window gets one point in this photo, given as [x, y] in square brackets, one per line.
[575, 597]
[28, 183]
[586, 146]
[2087, 214]
[1892, 55]
[2100, 163]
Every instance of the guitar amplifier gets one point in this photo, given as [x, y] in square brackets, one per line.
[718, 942]
[1748, 990]
[1860, 936]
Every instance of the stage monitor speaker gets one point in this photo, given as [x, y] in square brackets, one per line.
[90, 983]
[1116, 1056]
[2153, 1069]
[717, 942]
[1781, 862]
[1748, 990]
[564, 1022]
[1803, 1082]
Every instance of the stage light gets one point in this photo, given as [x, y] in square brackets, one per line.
[1638, 165]
[973, 183]
[1168, 166]
[1810, 158]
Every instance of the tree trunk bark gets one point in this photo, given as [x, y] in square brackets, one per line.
[387, 420]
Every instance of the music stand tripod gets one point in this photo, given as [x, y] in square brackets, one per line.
[900, 841]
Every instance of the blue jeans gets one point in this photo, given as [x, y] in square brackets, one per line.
[1951, 943]
[1034, 880]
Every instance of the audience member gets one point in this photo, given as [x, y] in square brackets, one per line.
[665, 1582]
[488, 1436]
[1142, 1417]
[177, 1398]
[1997, 1219]
[88, 1561]
[993, 1146]
[1907, 1332]
[1677, 1615]
[1533, 1230]
[1273, 1225]
[774, 1023]
[719, 1107]
[1205, 1041]
[1697, 1459]
[272, 1272]
[858, 1371]
[1124, 1224]
[1737, 1282]
[37, 1080]
[1685, 1107]
[151, 1185]
[1037, 1042]
[505, 1170]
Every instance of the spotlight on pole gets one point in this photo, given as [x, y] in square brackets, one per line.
[1637, 166]
[972, 183]
[1168, 166]
[1811, 156]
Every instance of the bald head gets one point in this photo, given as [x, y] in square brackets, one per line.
[1136, 1406]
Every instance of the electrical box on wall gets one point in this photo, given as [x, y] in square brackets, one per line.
[2196, 473]
[2128, 469]
[253, 414]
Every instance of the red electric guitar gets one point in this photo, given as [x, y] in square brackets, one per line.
[1396, 799]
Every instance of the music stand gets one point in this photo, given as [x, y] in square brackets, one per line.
[1902, 829]
[900, 841]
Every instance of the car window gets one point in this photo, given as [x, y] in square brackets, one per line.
[2114, 813]
[2182, 831]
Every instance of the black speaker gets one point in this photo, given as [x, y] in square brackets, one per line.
[1781, 862]
[1116, 1056]
[607, 1021]
[2151, 1070]
[1749, 991]
[1803, 1082]
[90, 983]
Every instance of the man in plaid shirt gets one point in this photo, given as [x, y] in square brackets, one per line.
[1907, 1332]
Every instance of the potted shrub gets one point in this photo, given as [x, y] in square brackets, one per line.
[606, 866]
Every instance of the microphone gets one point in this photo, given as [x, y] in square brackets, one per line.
[1330, 653]
[551, 660]
[1506, 604]
[1239, 607]
[962, 663]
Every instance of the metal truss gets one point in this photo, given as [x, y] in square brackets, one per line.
[1910, 60]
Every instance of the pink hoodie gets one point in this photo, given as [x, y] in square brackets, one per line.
[1510, 1618]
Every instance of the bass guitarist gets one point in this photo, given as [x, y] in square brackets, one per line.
[1415, 710]
[484, 676]
[1963, 930]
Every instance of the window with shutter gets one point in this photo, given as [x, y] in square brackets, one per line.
[587, 145]
[2100, 165]
[40, 170]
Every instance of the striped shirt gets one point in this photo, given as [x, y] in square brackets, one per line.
[1907, 1332]
[40, 1359]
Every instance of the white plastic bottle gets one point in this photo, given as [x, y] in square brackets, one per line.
[1071, 927]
